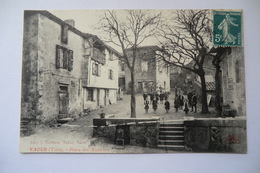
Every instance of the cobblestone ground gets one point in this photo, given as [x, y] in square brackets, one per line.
[81, 129]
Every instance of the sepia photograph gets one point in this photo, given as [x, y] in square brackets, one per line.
[133, 81]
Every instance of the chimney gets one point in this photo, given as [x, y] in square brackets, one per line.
[71, 22]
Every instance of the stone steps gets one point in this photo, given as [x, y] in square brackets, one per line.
[171, 136]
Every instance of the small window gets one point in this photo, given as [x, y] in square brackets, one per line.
[144, 66]
[90, 95]
[96, 69]
[237, 68]
[111, 56]
[110, 74]
[122, 67]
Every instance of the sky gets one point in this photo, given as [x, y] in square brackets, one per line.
[88, 21]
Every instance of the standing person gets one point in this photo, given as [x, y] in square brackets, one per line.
[167, 106]
[145, 95]
[151, 97]
[186, 107]
[161, 97]
[194, 103]
[190, 97]
[181, 101]
[146, 105]
[155, 105]
[176, 104]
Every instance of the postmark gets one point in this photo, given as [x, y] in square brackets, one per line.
[227, 28]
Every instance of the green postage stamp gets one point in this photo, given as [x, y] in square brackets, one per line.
[227, 28]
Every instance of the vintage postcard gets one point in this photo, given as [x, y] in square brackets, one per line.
[133, 81]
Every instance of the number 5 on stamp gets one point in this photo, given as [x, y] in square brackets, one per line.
[227, 28]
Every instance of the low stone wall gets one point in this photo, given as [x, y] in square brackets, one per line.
[141, 132]
[216, 135]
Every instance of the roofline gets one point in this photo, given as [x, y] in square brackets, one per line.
[73, 29]
[145, 47]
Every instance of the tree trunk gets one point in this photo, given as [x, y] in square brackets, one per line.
[203, 93]
[133, 101]
[217, 90]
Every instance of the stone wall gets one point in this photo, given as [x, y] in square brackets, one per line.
[135, 132]
[50, 78]
[233, 81]
[225, 135]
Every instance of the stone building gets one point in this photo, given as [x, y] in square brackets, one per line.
[233, 80]
[64, 70]
[151, 74]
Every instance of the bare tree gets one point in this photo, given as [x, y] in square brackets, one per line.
[128, 29]
[217, 54]
[187, 41]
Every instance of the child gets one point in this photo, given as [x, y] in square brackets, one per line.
[155, 105]
[146, 105]
[186, 107]
[176, 104]
[167, 106]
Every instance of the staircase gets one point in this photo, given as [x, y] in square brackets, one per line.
[171, 136]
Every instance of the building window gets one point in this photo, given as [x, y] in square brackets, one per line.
[111, 56]
[64, 58]
[64, 34]
[110, 73]
[122, 67]
[90, 95]
[96, 69]
[144, 66]
[237, 68]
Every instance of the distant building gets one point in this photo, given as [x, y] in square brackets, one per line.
[64, 70]
[151, 74]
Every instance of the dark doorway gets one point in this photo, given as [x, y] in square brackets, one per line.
[63, 101]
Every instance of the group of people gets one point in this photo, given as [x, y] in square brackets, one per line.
[154, 99]
[179, 102]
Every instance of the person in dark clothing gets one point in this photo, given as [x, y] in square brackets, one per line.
[155, 105]
[146, 105]
[186, 107]
[181, 101]
[157, 97]
[190, 98]
[167, 106]
[151, 98]
[176, 104]
[145, 96]
[161, 97]
[194, 103]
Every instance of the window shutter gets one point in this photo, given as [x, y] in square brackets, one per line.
[65, 58]
[93, 68]
[57, 56]
[70, 57]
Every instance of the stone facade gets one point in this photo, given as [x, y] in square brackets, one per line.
[233, 80]
[216, 135]
[58, 74]
[150, 73]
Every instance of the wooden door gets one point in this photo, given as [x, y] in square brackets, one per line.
[63, 100]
